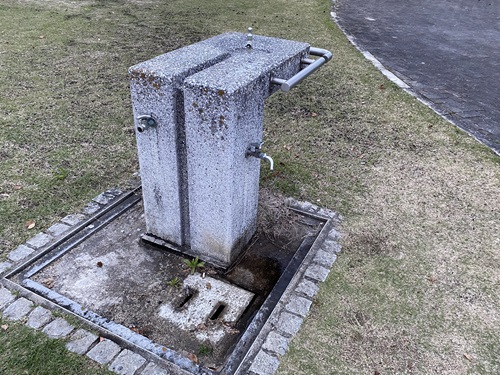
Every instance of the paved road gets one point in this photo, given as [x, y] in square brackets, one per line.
[447, 51]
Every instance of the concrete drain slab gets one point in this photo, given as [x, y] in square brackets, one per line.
[102, 272]
[207, 305]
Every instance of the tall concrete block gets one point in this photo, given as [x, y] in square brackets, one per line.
[207, 101]
[156, 90]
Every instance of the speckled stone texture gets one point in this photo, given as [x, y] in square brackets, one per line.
[200, 190]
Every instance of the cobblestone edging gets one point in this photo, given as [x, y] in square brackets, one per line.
[262, 358]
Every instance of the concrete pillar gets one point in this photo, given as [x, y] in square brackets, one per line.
[200, 190]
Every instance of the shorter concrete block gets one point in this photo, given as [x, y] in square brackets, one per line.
[58, 229]
[334, 235]
[114, 192]
[58, 328]
[264, 364]
[39, 317]
[326, 213]
[20, 253]
[299, 305]
[290, 202]
[104, 352]
[317, 272]
[4, 266]
[40, 240]
[308, 207]
[91, 208]
[6, 297]
[127, 363]
[308, 288]
[18, 309]
[153, 369]
[325, 258]
[104, 198]
[73, 219]
[276, 343]
[81, 341]
[331, 246]
[289, 323]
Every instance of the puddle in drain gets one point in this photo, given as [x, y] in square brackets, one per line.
[151, 291]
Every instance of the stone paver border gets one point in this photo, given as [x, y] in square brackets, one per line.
[263, 356]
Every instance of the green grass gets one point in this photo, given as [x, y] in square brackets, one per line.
[415, 290]
[24, 352]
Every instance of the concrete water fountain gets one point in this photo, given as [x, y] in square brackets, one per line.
[199, 117]
[199, 112]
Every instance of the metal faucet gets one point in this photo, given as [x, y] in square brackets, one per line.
[255, 150]
[145, 122]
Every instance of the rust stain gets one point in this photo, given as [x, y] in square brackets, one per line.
[221, 92]
[145, 78]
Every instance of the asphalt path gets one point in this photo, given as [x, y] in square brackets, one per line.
[447, 51]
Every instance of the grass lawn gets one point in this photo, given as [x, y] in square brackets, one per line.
[416, 289]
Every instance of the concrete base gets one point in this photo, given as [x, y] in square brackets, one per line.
[132, 283]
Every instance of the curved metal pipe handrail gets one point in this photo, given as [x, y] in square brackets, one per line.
[288, 84]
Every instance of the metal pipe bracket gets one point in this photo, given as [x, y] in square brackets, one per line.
[312, 66]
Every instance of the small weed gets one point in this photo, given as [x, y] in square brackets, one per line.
[61, 174]
[175, 282]
[194, 264]
[204, 350]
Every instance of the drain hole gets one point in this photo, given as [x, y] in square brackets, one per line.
[218, 311]
[183, 298]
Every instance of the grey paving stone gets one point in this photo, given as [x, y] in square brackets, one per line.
[289, 323]
[39, 317]
[4, 266]
[308, 288]
[317, 272]
[20, 253]
[326, 213]
[325, 258]
[264, 364]
[81, 341]
[58, 328]
[104, 352]
[153, 369]
[104, 198]
[127, 363]
[40, 240]
[91, 208]
[6, 297]
[334, 235]
[73, 219]
[58, 229]
[115, 192]
[331, 246]
[276, 343]
[18, 309]
[298, 305]
[307, 206]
